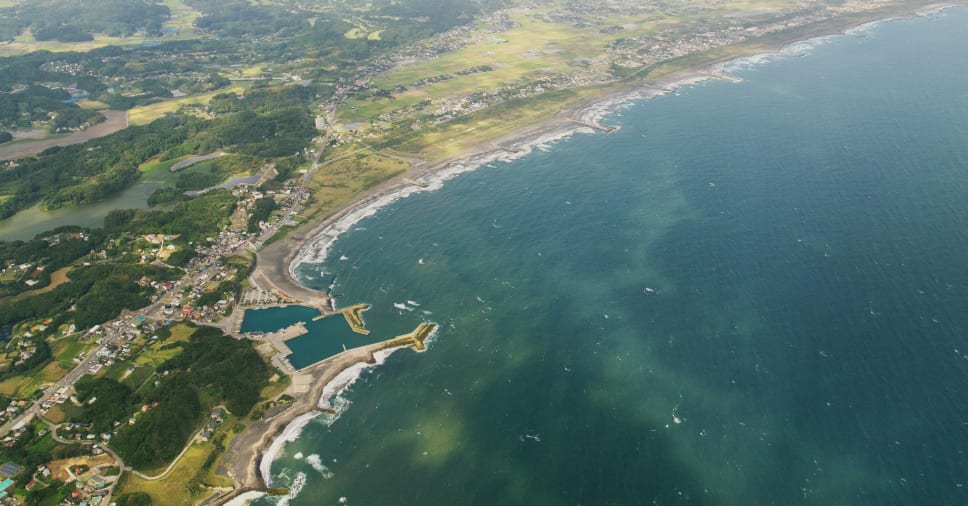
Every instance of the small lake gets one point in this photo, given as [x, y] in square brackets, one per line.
[30, 222]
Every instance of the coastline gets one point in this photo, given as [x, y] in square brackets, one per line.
[313, 243]
[311, 387]
[297, 247]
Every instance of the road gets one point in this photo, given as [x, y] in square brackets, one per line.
[67, 381]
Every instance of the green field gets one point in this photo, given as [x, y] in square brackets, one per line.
[145, 114]
[334, 184]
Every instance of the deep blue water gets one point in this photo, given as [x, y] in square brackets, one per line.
[751, 293]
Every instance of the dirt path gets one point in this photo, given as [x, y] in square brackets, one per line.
[113, 122]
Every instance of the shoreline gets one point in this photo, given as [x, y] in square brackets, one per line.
[246, 453]
[429, 176]
[299, 246]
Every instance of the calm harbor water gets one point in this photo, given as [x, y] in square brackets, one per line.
[751, 293]
[323, 338]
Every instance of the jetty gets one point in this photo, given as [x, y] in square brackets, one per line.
[606, 129]
[509, 149]
[415, 338]
[725, 77]
[353, 315]
[416, 183]
[278, 339]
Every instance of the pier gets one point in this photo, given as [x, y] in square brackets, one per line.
[278, 339]
[415, 183]
[725, 77]
[606, 129]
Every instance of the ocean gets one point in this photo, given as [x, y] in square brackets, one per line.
[751, 293]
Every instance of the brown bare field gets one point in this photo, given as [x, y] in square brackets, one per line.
[57, 278]
[58, 468]
[114, 121]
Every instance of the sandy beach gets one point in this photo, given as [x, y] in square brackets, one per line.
[310, 243]
[245, 454]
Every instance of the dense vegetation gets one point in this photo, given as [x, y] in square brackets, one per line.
[260, 212]
[163, 431]
[265, 124]
[97, 292]
[211, 369]
[105, 402]
[193, 220]
[91, 171]
[37, 103]
[240, 18]
[78, 20]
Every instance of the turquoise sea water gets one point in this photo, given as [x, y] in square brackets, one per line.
[751, 293]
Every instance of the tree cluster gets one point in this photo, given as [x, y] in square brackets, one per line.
[211, 369]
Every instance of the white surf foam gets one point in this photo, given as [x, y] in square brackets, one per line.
[294, 489]
[331, 398]
[246, 498]
[317, 250]
[317, 463]
[290, 434]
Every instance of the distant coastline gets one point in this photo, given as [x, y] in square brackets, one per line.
[311, 243]
[276, 264]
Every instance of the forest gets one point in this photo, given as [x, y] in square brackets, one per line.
[77, 20]
[37, 103]
[212, 369]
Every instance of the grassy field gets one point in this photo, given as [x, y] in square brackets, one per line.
[25, 43]
[155, 356]
[455, 137]
[26, 386]
[138, 376]
[532, 48]
[179, 333]
[182, 19]
[177, 487]
[336, 183]
[147, 113]
[92, 104]
[65, 349]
